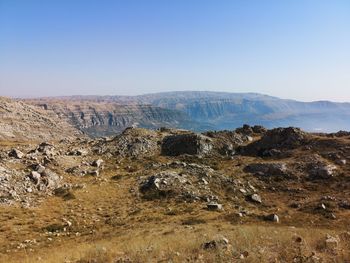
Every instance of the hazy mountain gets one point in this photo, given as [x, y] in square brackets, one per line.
[202, 110]
[229, 110]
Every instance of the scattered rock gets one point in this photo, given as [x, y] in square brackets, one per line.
[50, 179]
[267, 169]
[218, 243]
[79, 152]
[272, 217]
[256, 198]
[35, 177]
[46, 149]
[73, 170]
[38, 168]
[331, 243]
[323, 206]
[184, 183]
[93, 173]
[214, 206]
[244, 255]
[97, 163]
[16, 154]
[321, 171]
[162, 184]
[344, 204]
[243, 191]
[341, 162]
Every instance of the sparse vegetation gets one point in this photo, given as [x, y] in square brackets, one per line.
[105, 218]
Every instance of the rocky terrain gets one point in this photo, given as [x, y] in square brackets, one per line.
[246, 195]
[22, 122]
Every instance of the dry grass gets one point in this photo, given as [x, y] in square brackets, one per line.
[110, 222]
[165, 243]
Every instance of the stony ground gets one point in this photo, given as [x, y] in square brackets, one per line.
[20, 121]
[248, 195]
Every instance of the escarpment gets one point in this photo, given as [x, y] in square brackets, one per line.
[110, 118]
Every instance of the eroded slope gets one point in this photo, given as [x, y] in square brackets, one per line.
[22, 122]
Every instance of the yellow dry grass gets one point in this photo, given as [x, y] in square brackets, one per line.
[110, 222]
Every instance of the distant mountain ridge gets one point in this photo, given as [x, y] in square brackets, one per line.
[202, 110]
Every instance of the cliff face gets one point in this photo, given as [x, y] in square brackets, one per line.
[231, 110]
[200, 111]
[20, 121]
[109, 118]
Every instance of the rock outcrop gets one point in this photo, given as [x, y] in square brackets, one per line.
[275, 140]
[192, 144]
[132, 142]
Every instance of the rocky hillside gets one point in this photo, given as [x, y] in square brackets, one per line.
[20, 121]
[245, 195]
[222, 110]
[102, 118]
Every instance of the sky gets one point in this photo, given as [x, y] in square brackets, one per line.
[296, 49]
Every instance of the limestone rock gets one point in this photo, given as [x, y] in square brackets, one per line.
[16, 154]
[214, 206]
[267, 169]
[218, 243]
[192, 144]
[97, 163]
[272, 217]
[256, 198]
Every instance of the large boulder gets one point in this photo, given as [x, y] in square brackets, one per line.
[276, 139]
[225, 142]
[191, 143]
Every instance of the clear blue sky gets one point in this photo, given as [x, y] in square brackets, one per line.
[296, 49]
